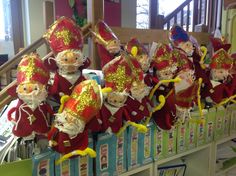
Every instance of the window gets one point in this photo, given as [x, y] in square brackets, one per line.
[142, 14]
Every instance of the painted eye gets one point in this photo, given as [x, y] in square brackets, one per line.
[24, 88]
[115, 101]
[35, 88]
[66, 59]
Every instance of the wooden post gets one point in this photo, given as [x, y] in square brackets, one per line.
[153, 14]
[195, 13]
[95, 12]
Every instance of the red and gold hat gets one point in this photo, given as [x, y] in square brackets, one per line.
[32, 70]
[218, 43]
[118, 74]
[134, 42]
[221, 60]
[104, 34]
[85, 100]
[64, 34]
[177, 35]
[182, 60]
[162, 57]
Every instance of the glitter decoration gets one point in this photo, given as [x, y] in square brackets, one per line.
[31, 69]
[65, 35]
[221, 59]
[85, 100]
[119, 78]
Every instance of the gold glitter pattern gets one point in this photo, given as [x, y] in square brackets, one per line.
[86, 98]
[65, 35]
[222, 58]
[119, 78]
[31, 68]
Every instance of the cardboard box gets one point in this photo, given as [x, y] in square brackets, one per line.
[210, 124]
[169, 142]
[147, 145]
[120, 153]
[83, 164]
[105, 159]
[219, 123]
[65, 168]
[111, 154]
[191, 135]
[43, 164]
[181, 137]
[134, 157]
[158, 143]
[200, 126]
[227, 121]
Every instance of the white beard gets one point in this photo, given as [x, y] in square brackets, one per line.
[70, 128]
[33, 100]
[140, 95]
[72, 78]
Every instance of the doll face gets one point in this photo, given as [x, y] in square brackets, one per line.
[116, 99]
[70, 61]
[219, 74]
[113, 46]
[69, 124]
[187, 47]
[32, 93]
[165, 74]
[144, 61]
[187, 79]
[139, 91]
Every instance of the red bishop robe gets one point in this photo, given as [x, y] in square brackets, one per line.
[28, 120]
[138, 110]
[64, 144]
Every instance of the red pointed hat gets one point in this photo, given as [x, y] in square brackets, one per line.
[32, 70]
[118, 74]
[64, 34]
[218, 43]
[85, 100]
[177, 35]
[135, 42]
[162, 57]
[182, 60]
[221, 60]
[104, 34]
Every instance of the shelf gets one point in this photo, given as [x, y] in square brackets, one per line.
[146, 170]
[226, 139]
[183, 154]
[224, 171]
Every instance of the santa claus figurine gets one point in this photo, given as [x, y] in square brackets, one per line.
[117, 75]
[138, 51]
[180, 40]
[138, 105]
[108, 45]
[187, 90]
[66, 41]
[165, 66]
[69, 134]
[32, 112]
[221, 65]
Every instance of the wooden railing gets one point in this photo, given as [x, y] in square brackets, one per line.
[6, 67]
[183, 17]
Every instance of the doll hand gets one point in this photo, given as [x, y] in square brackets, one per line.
[52, 143]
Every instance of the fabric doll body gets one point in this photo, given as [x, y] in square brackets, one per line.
[111, 117]
[69, 132]
[62, 85]
[221, 64]
[31, 120]
[32, 112]
[64, 144]
[66, 41]
[165, 117]
[137, 110]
